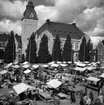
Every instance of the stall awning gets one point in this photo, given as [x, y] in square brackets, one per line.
[19, 88]
[102, 75]
[3, 72]
[80, 64]
[54, 83]
[45, 65]
[27, 71]
[58, 62]
[8, 65]
[63, 65]
[24, 63]
[80, 69]
[93, 79]
[15, 66]
[54, 65]
[26, 66]
[51, 62]
[90, 68]
[35, 66]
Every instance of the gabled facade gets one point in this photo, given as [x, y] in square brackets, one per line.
[51, 29]
[100, 51]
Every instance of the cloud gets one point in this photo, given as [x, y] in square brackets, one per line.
[88, 14]
[7, 26]
[69, 10]
[12, 10]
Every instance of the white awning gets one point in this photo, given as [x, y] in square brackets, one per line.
[54, 83]
[54, 65]
[69, 62]
[8, 65]
[26, 66]
[27, 71]
[15, 66]
[58, 62]
[51, 62]
[102, 75]
[80, 69]
[24, 63]
[93, 79]
[90, 68]
[63, 65]
[19, 88]
[80, 64]
[45, 65]
[35, 66]
[3, 72]
[64, 62]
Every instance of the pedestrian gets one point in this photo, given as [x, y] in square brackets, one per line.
[97, 102]
[82, 102]
[100, 97]
[56, 100]
[73, 98]
[91, 96]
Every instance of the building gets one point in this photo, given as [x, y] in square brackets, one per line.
[29, 25]
[3, 42]
[51, 29]
[99, 50]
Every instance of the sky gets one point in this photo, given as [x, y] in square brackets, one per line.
[88, 14]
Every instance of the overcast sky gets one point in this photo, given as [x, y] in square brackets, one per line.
[88, 14]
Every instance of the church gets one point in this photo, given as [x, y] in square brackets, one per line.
[51, 29]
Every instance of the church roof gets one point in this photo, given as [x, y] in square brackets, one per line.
[30, 12]
[61, 29]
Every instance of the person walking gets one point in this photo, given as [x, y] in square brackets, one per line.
[101, 97]
[56, 100]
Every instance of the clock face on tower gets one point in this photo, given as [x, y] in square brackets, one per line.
[31, 16]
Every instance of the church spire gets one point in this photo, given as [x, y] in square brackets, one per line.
[30, 12]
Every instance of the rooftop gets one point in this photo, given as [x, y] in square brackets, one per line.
[62, 29]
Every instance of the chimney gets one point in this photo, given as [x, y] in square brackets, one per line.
[74, 24]
[48, 21]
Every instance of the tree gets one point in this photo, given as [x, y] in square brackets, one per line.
[88, 52]
[82, 50]
[96, 55]
[43, 54]
[31, 49]
[56, 53]
[10, 53]
[67, 52]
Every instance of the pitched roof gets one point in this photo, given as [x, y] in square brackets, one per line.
[30, 12]
[62, 29]
[99, 44]
[5, 36]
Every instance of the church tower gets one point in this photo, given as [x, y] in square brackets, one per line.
[29, 25]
